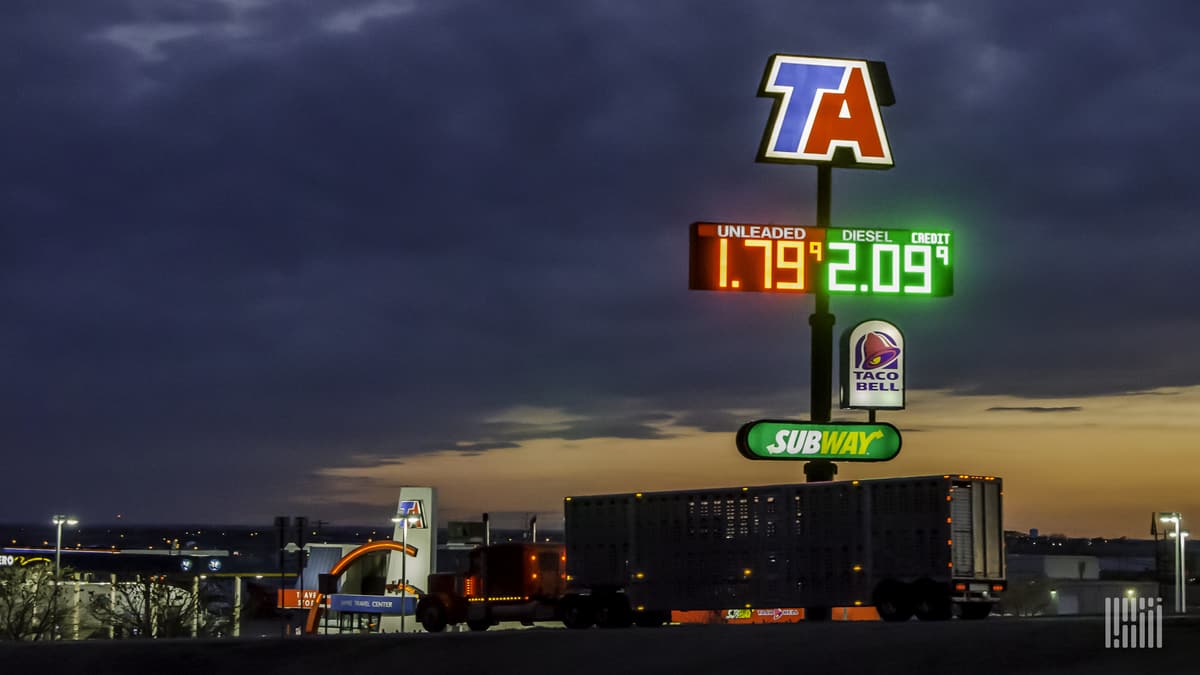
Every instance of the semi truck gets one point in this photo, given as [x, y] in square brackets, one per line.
[916, 546]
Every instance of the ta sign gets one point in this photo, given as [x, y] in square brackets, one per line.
[823, 106]
[873, 366]
[842, 442]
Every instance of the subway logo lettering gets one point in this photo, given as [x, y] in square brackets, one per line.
[847, 441]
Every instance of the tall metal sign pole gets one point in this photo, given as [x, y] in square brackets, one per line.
[826, 113]
[821, 321]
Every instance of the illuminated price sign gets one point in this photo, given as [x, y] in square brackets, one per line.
[789, 259]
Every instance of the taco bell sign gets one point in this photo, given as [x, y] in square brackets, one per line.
[873, 366]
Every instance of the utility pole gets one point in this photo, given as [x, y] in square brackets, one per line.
[282, 524]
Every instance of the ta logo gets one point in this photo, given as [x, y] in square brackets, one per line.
[826, 112]
[410, 508]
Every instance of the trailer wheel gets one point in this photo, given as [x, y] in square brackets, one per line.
[975, 611]
[614, 612]
[650, 619]
[479, 624]
[577, 612]
[932, 601]
[818, 613]
[893, 600]
[432, 615]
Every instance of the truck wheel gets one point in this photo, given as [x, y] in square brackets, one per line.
[614, 612]
[817, 613]
[650, 619]
[932, 601]
[479, 624]
[893, 600]
[974, 611]
[432, 615]
[577, 612]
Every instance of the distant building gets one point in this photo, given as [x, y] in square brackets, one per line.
[1052, 585]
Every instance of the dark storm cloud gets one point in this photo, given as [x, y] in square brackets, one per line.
[1035, 408]
[247, 239]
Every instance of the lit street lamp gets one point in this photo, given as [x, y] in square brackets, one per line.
[1180, 576]
[59, 520]
[1181, 553]
[406, 520]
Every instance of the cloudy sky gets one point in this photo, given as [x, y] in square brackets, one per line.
[276, 257]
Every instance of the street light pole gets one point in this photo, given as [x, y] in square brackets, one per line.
[405, 519]
[59, 520]
[1183, 569]
[1180, 581]
[1180, 538]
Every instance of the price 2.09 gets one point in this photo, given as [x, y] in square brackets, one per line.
[855, 267]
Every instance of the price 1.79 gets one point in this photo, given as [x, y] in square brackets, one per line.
[791, 259]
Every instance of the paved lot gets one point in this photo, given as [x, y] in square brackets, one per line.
[993, 646]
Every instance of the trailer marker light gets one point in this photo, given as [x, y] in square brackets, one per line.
[960, 587]
[746, 572]
[949, 564]
[949, 542]
[854, 482]
[638, 495]
[949, 520]
[641, 608]
[640, 575]
[570, 578]
[858, 603]
[748, 606]
[857, 568]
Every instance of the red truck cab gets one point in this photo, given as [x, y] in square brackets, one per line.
[503, 582]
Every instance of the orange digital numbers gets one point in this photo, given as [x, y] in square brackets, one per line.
[770, 258]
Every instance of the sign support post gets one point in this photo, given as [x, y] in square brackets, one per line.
[821, 322]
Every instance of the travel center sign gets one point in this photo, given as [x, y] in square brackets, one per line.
[844, 442]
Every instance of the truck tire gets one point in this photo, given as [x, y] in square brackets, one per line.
[577, 612]
[479, 624]
[431, 615]
[893, 600]
[974, 611]
[932, 600]
[818, 613]
[651, 619]
[614, 612]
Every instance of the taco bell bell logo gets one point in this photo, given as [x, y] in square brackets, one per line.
[873, 366]
[876, 350]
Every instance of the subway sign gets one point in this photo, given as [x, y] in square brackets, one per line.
[842, 441]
